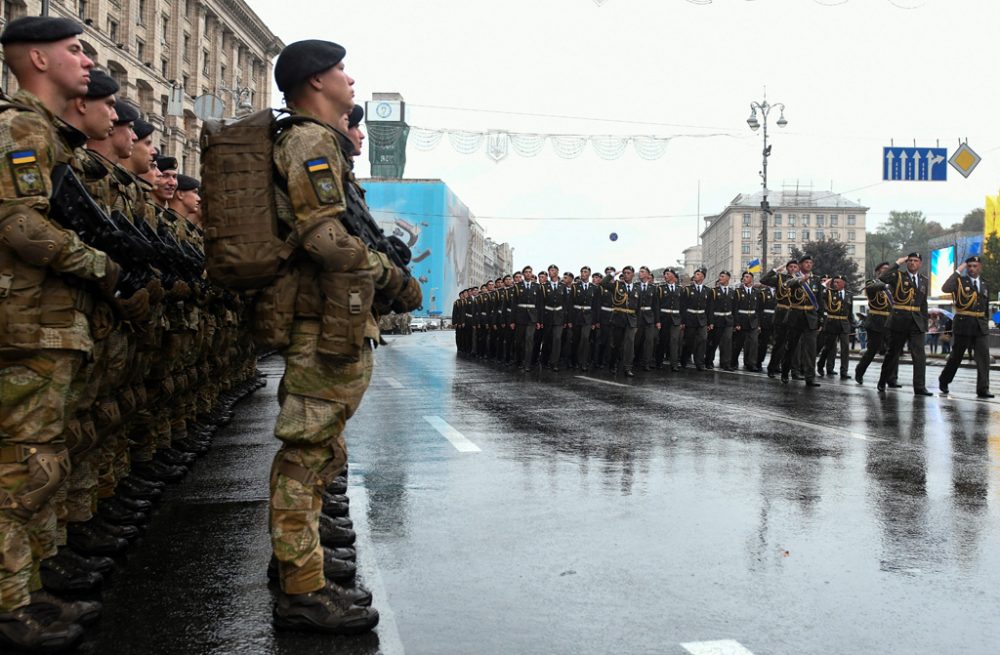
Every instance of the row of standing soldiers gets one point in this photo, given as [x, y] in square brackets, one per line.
[108, 390]
[616, 322]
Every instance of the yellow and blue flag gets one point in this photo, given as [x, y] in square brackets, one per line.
[754, 265]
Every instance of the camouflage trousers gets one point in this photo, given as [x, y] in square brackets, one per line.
[317, 397]
[34, 393]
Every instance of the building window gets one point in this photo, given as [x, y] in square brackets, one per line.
[776, 248]
[746, 219]
[81, 9]
[164, 104]
[746, 234]
[746, 248]
[113, 30]
[187, 47]
[777, 219]
[805, 235]
[777, 235]
[205, 63]
[834, 220]
[142, 12]
[163, 67]
[852, 249]
[835, 235]
[222, 73]
[819, 220]
[166, 28]
[140, 50]
[791, 248]
[791, 220]
[187, 8]
[184, 82]
[805, 219]
[852, 219]
[850, 235]
[819, 235]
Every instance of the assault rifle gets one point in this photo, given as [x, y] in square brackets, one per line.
[360, 223]
[74, 209]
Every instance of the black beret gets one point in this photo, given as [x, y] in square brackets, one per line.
[356, 116]
[721, 273]
[702, 270]
[39, 29]
[882, 264]
[142, 128]
[627, 268]
[973, 260]
[669, 270]
[127, 113]
[805, 258]
[101, 85]
[187, 183]
[746, 273]
[792, 261]
[915, 254]
[301, 59]
[840, 277]
[166, 163]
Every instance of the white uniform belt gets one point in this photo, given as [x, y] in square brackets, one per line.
[527, 306]
[554, 309]
[581, 306]
[695, 311]
[607, 309]
[646, 309]
[670, 311]
[748, 311]
[768, 311]
[469, 315]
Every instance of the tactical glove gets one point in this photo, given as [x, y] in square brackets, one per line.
[410, 298]
[180, 290]
[108, 283]
[136, 307]
[155, 291]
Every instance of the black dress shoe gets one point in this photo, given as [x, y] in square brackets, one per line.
[784, 379]
[943, 388]
[859, 377]
[894, 385]
[647, 368]
[771, 374]
[710, 366]
[881, 387]
[629, 373]
[984, 394]
[812, 383]
[820, 372]
[922, 392]
[845, 376]
[675, 368]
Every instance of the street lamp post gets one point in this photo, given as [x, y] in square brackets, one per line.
[765, 109]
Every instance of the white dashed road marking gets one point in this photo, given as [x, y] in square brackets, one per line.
[456, 438]
[394, 383]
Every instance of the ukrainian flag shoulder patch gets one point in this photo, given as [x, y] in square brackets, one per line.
[23, 157]
[316, 165]
[28, 180]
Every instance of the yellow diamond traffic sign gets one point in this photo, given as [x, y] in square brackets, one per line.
[965, 160]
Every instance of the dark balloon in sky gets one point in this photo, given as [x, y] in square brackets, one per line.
[613, 236]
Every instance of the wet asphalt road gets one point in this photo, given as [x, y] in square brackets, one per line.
[559, 513]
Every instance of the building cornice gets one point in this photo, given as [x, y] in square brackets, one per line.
[246, 18]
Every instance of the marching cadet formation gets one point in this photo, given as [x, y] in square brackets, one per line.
[619, 323]
[119, 357]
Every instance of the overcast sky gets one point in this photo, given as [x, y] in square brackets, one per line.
[853, 77]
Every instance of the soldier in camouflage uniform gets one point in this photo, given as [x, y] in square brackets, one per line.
[329, 359]
[44, 331]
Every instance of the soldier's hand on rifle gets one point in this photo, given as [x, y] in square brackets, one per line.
[112, 273]
[135, 308]
[409, 298]
[180, 290]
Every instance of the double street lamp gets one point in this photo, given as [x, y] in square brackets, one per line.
[765, 110]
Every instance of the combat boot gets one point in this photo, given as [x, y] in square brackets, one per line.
[158, 471]
[333, 536]
[134, 504]
[114, 511]
[126, 532]
[323, 611]
[334, 569]
[346, 553]
[338, 486]
[62, 576]
[175, 457]
[336, 505]
[87, 539]
[191, 446]
[96, 564]
[137, 487]
[83, 612]
[35, 628]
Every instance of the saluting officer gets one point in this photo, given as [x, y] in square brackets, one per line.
[624, 304]
[804, 320]
[778, 279]
[908, 320]
[837, 328]
[876, 323]
[669, 299]
[586, 307]
[648, 317]
[970, 325]
[720, 317]
[747, 311]
[694, 308]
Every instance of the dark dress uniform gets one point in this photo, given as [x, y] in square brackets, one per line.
[970, 330]
[769, 304]
[647, 319]
[747, 312]
[876, 326]
[908, 325]
[669, 345]
[456, 322]
[554, 300]
[720, 316]
[586, 310]
[783, 303]
[506, 332]
[603, 358]
[804, 319]
[624, 322]
[527, 314]
[837, 331]
[694, 308]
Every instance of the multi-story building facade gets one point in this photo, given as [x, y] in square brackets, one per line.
[166, 53]
[499, 259]
[733, 238]
[477, 253]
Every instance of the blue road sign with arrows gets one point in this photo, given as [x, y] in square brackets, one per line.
[915, 164]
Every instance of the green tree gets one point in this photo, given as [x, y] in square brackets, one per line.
[830, 258]
[991, 263]
[974, 220]
[879, 248]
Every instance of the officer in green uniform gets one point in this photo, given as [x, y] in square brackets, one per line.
[908, 290]
[804, 320]
[876, 320]
[970, 325]
[837, 328]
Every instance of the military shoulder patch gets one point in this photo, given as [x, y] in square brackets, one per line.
[28, 179]
[321, 176]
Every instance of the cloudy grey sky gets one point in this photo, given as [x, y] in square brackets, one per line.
[853, 76]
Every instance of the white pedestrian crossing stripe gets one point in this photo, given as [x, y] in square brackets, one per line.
[721, 647]
[456, 438]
